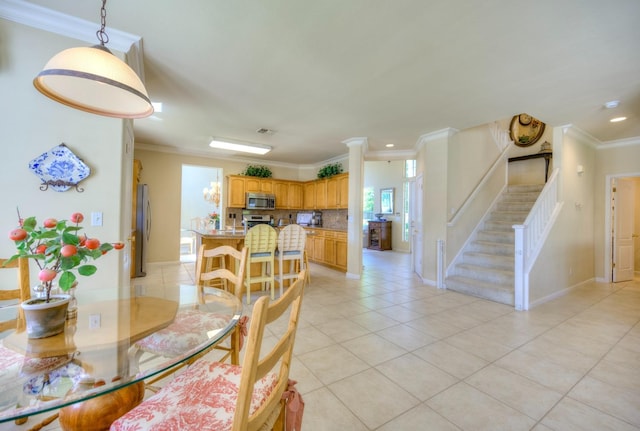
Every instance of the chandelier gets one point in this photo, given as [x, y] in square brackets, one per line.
[212, 193]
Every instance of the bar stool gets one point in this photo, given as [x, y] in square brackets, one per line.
[260, 240]
[291, 243]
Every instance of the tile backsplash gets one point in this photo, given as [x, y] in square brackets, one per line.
[331, 219]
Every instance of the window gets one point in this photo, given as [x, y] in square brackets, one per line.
[368, 200]
[409, 173]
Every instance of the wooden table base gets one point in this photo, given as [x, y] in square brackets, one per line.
[97, 414]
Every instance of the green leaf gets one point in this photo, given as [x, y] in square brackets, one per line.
[29, 223]
[69, 238]
[87, 270]
[66, 280]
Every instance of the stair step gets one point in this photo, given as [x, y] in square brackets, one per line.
[497, 235]
[499, 225]
[514, 216]
[490, 247]
[510, 206]
[491, 291]
[524, 188]
[485, 274]
[489, 260]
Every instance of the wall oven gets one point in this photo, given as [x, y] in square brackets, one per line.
[260, 201]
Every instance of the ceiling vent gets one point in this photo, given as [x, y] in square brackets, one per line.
[264, 131]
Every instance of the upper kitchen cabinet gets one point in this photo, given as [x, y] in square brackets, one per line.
[330, 193]
[288, 194]
[321, 194]
[295, 195]
[309, 195]
[258, 185]
[338, 191]
[235, 191]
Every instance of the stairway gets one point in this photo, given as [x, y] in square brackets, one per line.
[486, 269]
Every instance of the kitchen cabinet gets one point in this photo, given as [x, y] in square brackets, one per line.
[235, 191]
[341, 250]
[343, 191]
[288, 194]
[258, 185]
[295, 195]
[309, 195]
[321, 194]
[327, 247]
[338, 192]
[379, 235]
[281, 190]
[330, 193]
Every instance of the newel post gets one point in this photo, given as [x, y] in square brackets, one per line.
[520, 287]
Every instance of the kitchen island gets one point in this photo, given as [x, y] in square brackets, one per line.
[324, 245]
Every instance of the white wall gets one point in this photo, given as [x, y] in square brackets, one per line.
[32, 124]
[567, 258]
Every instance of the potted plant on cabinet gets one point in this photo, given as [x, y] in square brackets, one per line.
[58, 249]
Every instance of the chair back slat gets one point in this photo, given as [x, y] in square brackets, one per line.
[277, 359]
[204, 272]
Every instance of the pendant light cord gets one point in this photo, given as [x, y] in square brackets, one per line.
[101, 34]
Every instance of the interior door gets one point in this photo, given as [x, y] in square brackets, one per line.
[416, 224]
[623, 201]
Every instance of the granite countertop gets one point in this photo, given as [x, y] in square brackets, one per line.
[240, 232]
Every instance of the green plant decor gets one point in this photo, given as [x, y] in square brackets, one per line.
[330, 170]
[257, 171]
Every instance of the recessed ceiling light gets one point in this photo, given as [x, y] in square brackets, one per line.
[389, 145]
[618, 119]
[234, 146]
[612, 104]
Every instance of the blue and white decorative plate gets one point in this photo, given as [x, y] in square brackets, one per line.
[59, 169]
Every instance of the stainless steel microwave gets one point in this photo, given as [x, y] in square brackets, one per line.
[260, 201]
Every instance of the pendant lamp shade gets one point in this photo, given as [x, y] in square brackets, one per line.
[94, 80]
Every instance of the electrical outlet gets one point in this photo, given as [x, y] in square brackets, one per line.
[96, 219]
[95, 321]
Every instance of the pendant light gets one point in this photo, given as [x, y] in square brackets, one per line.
[94, 80]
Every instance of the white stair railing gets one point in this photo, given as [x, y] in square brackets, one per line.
[530, 236]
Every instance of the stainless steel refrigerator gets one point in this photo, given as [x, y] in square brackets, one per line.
[143, 229]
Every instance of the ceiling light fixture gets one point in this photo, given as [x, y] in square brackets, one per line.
[617, 119]
[94, 80]
[245, 148]
[389, 145]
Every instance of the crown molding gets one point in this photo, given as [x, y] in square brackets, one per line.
[627, 142]
[432, 136]
[42, 18]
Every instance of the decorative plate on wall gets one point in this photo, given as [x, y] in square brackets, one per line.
[525, 130]
[59, 169]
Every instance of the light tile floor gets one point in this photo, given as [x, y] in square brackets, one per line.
[388, 353]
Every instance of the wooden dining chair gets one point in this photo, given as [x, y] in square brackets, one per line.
[261, 241]
[186, 330]
[291, 243]
[21, 293]
[211, 395]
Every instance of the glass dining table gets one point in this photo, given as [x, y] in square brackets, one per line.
[95, 362]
